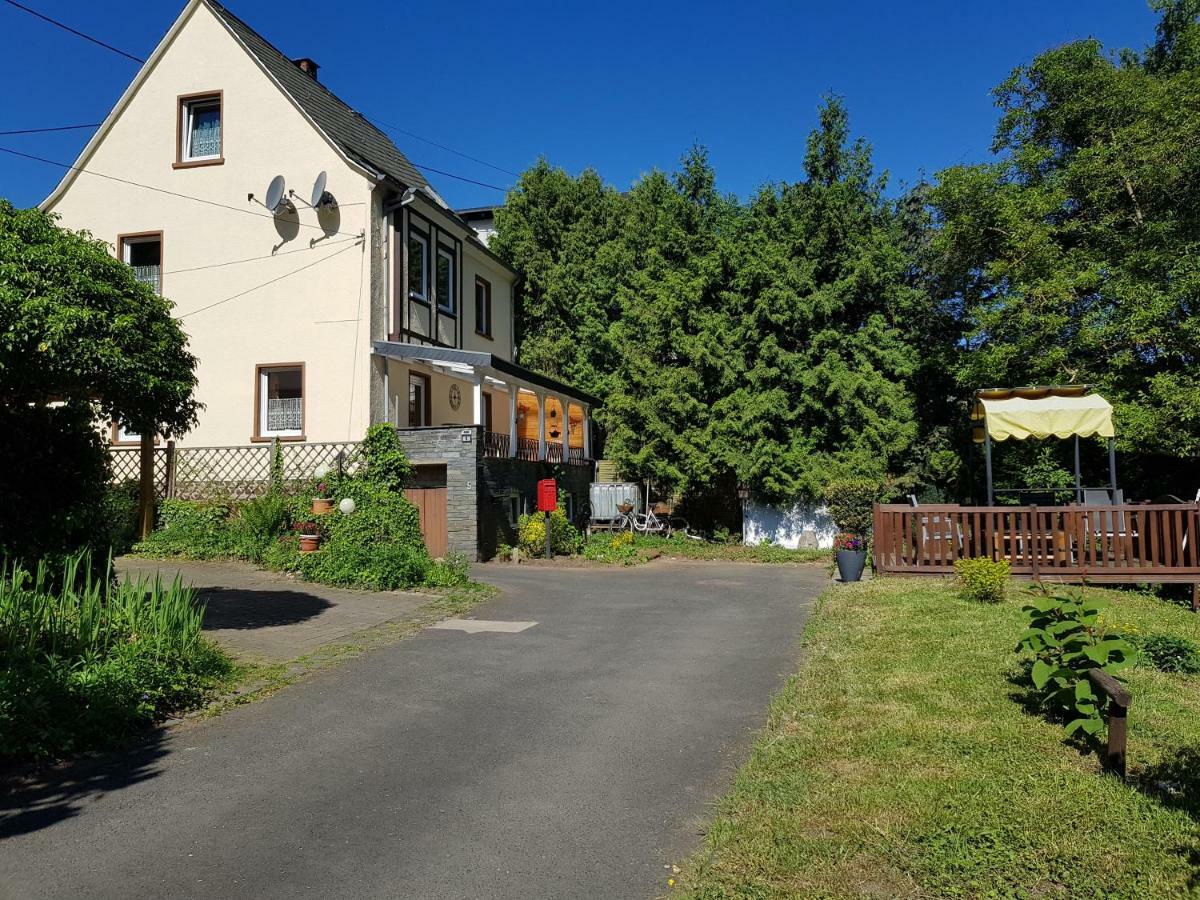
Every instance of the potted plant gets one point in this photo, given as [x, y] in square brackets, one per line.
[323, 501]
[310, 536]
[851, 553]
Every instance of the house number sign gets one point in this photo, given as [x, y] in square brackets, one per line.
[455, 397]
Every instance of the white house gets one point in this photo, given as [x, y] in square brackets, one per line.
[357, 297]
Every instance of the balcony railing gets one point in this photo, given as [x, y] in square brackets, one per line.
[527, 449]
[495, 444]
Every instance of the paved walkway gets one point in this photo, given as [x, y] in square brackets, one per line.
[571, 758]
[267, 616]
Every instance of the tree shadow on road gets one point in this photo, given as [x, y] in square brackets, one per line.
[232, 608]
[37, 799]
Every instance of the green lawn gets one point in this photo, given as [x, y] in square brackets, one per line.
[900, 762]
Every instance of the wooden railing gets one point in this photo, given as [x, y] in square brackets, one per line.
[1126, 543]
[495, 444]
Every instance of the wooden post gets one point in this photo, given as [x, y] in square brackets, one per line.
[170, 463]
[146, 486]
[1118, 714]
[1079, 484]
[987, 452]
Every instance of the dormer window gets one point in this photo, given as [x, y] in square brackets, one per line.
[200, 119]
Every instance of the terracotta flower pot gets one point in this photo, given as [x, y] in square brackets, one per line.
[322, 505]
[310, 543]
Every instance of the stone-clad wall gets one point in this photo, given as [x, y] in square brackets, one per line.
[501, 477]
[445, 446]
[478, 490]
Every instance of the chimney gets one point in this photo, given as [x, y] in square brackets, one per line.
[308, 67]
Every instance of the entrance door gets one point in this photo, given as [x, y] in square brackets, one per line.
[427, 492]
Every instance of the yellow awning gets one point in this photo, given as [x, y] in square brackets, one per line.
[1047, 416]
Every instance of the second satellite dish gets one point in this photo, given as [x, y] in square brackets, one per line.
[275, 194]
[320, 197]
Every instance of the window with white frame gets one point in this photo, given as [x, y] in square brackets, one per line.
[121, 435]
[143, 253]
[280, 395]
[447, 301]
[418, 266]
[200, 124]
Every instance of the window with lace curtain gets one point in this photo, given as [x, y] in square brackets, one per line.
[279, 397]
[200, 122]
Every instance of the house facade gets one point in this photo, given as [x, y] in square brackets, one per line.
[322, 281]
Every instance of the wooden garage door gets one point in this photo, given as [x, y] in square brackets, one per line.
[427, 492]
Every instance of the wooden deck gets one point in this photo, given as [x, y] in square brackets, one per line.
[1130, 543]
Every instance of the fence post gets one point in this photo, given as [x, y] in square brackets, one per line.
[169, 490]
[1118, 714]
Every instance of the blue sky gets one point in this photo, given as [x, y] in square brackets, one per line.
[621, 86]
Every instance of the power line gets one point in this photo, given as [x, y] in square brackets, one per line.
[45, 130]
[64, 27]
[235, 262]
[137, 59]
[147, 187]
[494, 187]
[97, 41]
[482, 162]
[272, 281]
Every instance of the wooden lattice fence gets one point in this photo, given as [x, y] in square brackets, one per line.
[234, 473]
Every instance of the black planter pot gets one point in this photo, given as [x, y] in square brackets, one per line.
[851, 563]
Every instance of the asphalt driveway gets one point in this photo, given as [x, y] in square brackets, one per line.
[571, 757]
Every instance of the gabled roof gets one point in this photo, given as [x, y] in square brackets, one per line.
[354, 135]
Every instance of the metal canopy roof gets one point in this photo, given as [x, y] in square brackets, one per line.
[479, 362]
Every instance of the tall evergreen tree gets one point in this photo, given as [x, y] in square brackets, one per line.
[1076, 255]
[827, 326]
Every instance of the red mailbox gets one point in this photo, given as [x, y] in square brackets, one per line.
[547, 495]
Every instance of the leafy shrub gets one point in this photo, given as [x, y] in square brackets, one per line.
[53, 481]
[192, 530]
[1067, 640]
[121, 517]
[257, 524]
[386, 462]
[452, 571]
[1169, 653]
[849, 502]
[564, 537]
[282, 554]
[378, 546]
[612, 548]
[983, 580]
[90, 661]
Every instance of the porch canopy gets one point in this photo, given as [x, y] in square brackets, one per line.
[486, 369]
[1060, 411]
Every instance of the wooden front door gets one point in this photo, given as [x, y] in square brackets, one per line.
[427, 492]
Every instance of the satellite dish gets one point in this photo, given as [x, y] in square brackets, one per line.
[318, 193]
[275, 193]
